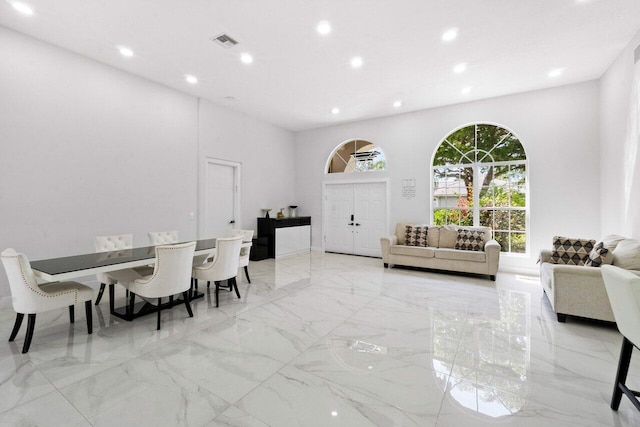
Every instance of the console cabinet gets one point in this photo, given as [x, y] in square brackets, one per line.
[285, 236]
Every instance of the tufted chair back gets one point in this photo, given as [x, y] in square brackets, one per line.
[108, 244]
[623, 289]
[113, 243]
[163, 237]
[26, 295]
[172, 273]
[226, 262]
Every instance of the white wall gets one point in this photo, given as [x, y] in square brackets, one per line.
[559, 130]
[86, 149]
[265, 152]
[620, 144]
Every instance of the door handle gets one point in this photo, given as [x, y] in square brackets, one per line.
[350, 223]
[232, 222]
[357, 225]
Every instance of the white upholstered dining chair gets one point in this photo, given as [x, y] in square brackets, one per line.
[224, 265]
[169, 237]
[30, 298]
[245, 250]
[110, 244]
[171, 275]
[163, 237]
[623, 289]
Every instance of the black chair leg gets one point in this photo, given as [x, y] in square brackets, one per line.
[16, 326]
[31, 323]
[246, 273]
[102, 286]
[185, 296]
[235, 286]
[89, 314]
[623, 369]
[217, 289]
[72, 317]
[132, 298]
[159, 310]
[208, 283]
[112, 296]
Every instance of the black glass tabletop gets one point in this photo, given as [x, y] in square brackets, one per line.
[69, 264]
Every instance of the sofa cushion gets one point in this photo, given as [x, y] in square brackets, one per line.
[432, 236]
[412, 251]
[571, 251]
[611, 241]
[598, 256]
[448, 236]
[458, 255]
[627, 254]
[415, 235]
[470, 240]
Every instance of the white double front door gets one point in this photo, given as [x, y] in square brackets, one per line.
[356, 217]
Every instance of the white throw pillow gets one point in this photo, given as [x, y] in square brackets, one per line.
[627, 254]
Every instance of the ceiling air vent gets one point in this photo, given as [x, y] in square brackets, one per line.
[224, 40]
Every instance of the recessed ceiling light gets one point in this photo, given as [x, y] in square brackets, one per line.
[466, 90]
[450, 34]
[246, 58]
[556, 73]
[356, 62]
[460, 68]
[335, 110]
[324, 27]
[334, 413]
[397, 104]
[125, 51]
[191, 79]
[22, 7]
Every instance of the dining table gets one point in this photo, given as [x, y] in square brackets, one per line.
[75, 266]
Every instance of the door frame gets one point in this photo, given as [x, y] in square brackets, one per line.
[202, 190]
[352, 181]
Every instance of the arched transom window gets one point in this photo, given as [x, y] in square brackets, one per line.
[357, 156]
[479, 177]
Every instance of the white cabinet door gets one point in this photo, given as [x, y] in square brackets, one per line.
[293, 240]
[356, 218]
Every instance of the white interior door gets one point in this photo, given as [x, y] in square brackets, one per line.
[220, 199]
[338, 211]
[356, 217]
[370, 202]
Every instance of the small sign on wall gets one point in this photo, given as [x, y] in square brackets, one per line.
[409, 188]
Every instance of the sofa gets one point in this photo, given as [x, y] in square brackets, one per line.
[439, 250]
[578, 290]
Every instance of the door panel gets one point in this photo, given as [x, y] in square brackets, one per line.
[367, 202]
[370, 213]
[339, 207]
[220, 200]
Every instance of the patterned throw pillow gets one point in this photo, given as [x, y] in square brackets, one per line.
[571, 251]
[470, 240]
[416, 236]
[598, 256]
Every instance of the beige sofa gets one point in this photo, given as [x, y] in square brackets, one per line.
[440, 253]
[579, 290]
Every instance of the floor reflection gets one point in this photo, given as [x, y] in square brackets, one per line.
[487, 357]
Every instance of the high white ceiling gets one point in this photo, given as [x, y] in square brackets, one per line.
[298, 75]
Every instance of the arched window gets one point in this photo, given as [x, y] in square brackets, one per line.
[356, 156]
[479, 177]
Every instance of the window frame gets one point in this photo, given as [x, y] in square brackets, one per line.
[335, 152]
[477, 185]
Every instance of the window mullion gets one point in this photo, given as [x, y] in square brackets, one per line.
[476, 194]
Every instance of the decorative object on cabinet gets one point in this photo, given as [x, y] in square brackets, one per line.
[293, 211]
[281, 214]
[266, 212]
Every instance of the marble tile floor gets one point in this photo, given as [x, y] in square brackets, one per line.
[323, 340]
